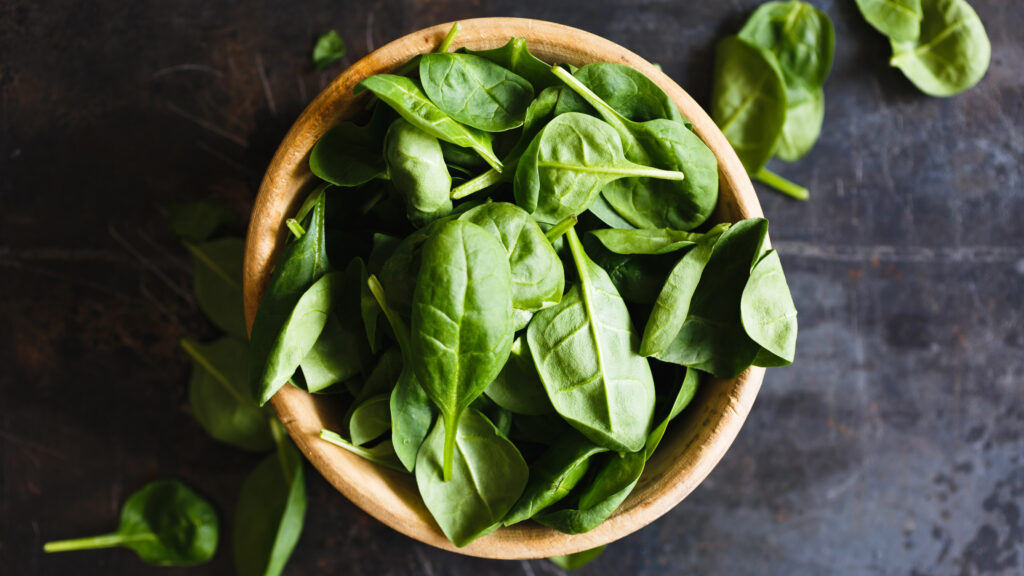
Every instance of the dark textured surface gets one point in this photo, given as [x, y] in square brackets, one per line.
[893, 446]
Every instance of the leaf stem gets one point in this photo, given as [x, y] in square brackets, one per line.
[93, 542]
[189, 347]
[397, 325]
[337, 440]
[476, 184]
[297, 230]
[310, 201]
[787, 187]
[446, 44]
[562, 227]
[451, 433]
[606, 111]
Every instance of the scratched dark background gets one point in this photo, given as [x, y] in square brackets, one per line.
[893, 446]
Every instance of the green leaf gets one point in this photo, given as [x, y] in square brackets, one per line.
[646, 240]
[418, 172]
[487, 477]
[799, 36]
[897, 19]
[767, 309]
[198, 220]
[804, 117]
[349, 154]
[165, 523]
[577, 560]
[382, 454]
[554, 475]
[329, 49]
[518, 388]
[475, 91]
[748, 100]
[461, 331]
[270, 513]
[687, 390]
[272, 354]
[371, 419]
[625, 89]
[585, 352]
[406, 97]
[217, 282]
[952, 52]
[515, 56]
[599, 499]
[219, 396]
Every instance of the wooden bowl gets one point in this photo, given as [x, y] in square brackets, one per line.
[694, 443]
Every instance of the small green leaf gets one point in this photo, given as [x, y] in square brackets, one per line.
[217, 281]
[579, 559]
[329, 49]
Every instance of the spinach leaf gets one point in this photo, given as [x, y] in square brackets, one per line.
[605, 213]
[767, 310]
[568, 163]
[270, 512]
[301, 264]
[384, 375]
[418, 172]
[350, 154]
[219, 397]
[370, 420]
[475, 91]
[518, 388]
[463, 158]
[515, 56]
[197, 221]
[805, 114]
[165, 523]
[646, 240]
[673, 303]
[501, 418]
[384, 245]
[599, 499]
[382, 454]
[585, 352]
[712, 337]
[412, 412]
[406, 97]
[537, 275]
[461, 332]
[687, 390]
[484, 481]
[554, 475]
[897, 19]
[577, 560]
[666, 144]
[217, 282]
[748, 100]
[952, 52]
[624, 88]
[329, 49]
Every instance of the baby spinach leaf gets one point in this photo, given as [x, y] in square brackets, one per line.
[371, 419]
[897, 19]
[748, 100]
[329, 49]
[219, 397]
[270, 513]
[646, 240]
[627, 90]
[638, 277]
[475, 91]
[520, 319]
[712, 337]
[537, 275]
[384, 245]
[517, 387]
[599, 499]
[464, 158]
[412, 412]
[461, 319]
[501, 418]
[198, 220]
[384, 375]
[217, 282]
[585, 352]
[406, 97]
[799, 36]
[418, 172]
[605, 213]
[485, 479]
[515, 56]
[165, 523]
[667, 144]
[554, 475]
[301, 264]
[687, 390]
[382, 454]
[350, 154]
[568, 163]
[767, 309]
[673, 303]
[952, 52]
[577, 560]
[805, 114]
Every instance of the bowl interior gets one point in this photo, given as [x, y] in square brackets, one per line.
[694, 443]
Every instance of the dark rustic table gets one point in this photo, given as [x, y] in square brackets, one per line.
[893, 445]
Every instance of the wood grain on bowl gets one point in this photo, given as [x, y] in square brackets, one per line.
[693, 445]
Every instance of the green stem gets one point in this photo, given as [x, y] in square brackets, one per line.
[562, 227]
[476, 184]
[371, 202]
[367, 453]
[451, 433]
[297, 230]
[219, 376]
[397, 325]
[310, 201]
[787, 187]
[607, 112]
[93, 542]
[205, 259]
[449, 38]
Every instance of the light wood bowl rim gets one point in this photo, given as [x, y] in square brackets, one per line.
[689, 451]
